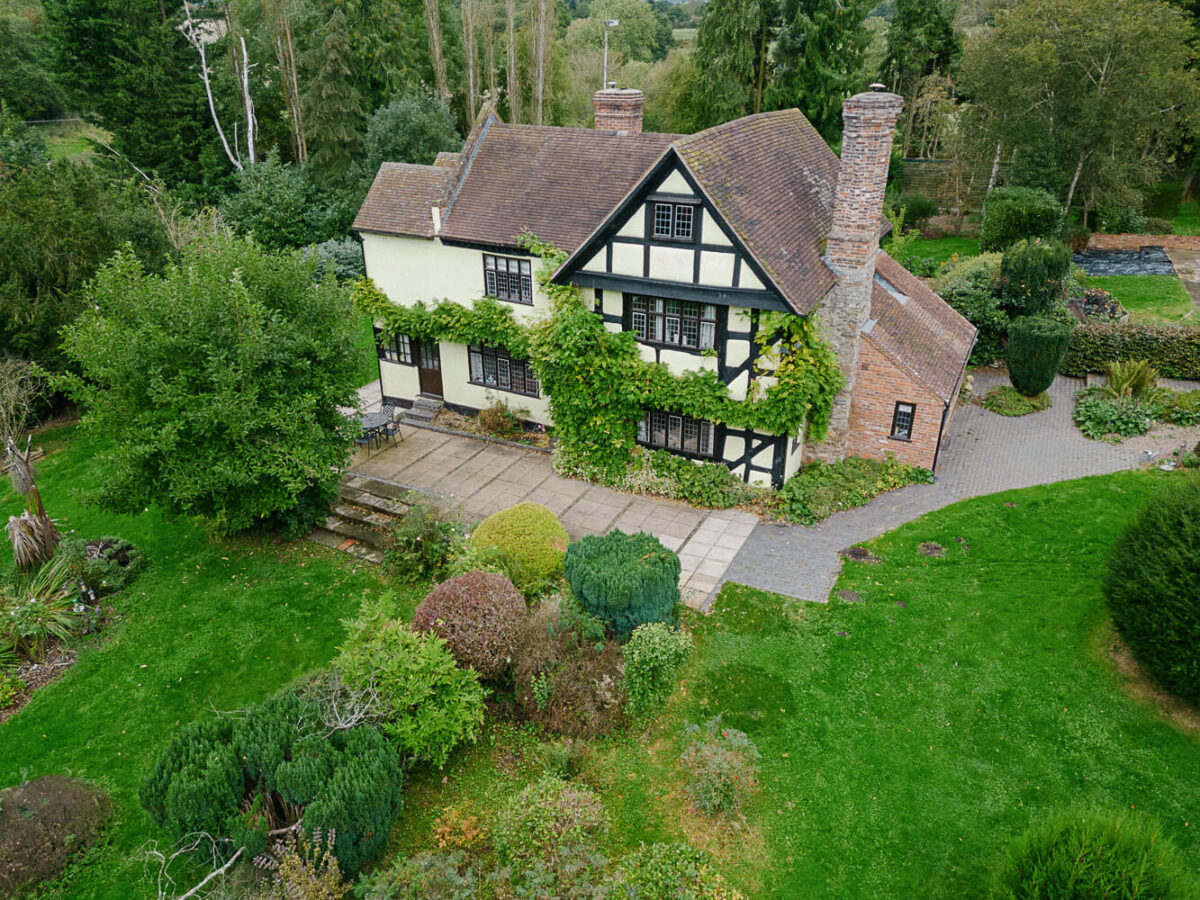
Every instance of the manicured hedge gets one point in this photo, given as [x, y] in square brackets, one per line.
[1174, 351]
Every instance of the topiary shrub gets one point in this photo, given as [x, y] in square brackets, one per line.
[43, 823]
[479, 615]
[1084, 855]
[567, 676]
[626, 580]
[671, 871]
[653, 657]
[1012, 214]
[1032, 275]
[532, 542]
[1153, 590]
[1036, 346]
[276, 764]
[545, 818]
[106, 565]
[428, 704]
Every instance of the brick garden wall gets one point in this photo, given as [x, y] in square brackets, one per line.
[880, 386]
[1138, 241]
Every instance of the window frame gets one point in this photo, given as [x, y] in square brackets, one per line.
[515, 369]
[524, 276]
[911, 412]
[396, 349]
[674, 428]
[675, 225]
[662, 322]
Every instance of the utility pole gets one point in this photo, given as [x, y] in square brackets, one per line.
[608, 23]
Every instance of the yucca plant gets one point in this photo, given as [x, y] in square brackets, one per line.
[1134, 379]
[42, 608]
[33, 533]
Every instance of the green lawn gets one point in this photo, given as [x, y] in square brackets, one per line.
[209, 623]
[1187, 220]
[905, 738]
[1151, 299]
[942, 249]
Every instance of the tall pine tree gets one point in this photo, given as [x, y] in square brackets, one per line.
[920, 41]
[333, 105]
[818, 59]
[733, 57]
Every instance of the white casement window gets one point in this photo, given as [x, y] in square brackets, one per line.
[508, 278]
[902, 421]
[669, 431]
[678, 323]
[492, 366]
[675, 221]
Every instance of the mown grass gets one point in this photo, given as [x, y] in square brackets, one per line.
[210, 623]
[1150, 299]
[942, 249]
[1187, 220]
[907, 737]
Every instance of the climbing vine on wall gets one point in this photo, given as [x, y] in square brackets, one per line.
[597, 383]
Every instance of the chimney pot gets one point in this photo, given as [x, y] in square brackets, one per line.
[876, 87]
[619, 110]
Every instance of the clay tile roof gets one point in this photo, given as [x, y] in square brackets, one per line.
[446, 158]
[400, 199]
[921, 334]
[559, 183]
[774, 179]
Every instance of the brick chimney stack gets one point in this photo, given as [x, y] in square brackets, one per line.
[853, 242]
[619, 110]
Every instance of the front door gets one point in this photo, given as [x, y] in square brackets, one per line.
[429, 368]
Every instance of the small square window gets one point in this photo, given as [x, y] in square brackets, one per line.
[902, 421]
[683, 222]
[663, 219]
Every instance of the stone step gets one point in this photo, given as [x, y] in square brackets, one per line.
[354, 530]
[377, 486]
[418, 416]
[347, 545]
[375, 503]
[354, 513]
[430, 403]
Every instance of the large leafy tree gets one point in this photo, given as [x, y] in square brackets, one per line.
[818, 59]
[413, 129]
[638, 37]
[921, 41]
[216, 384]
[733, 58]
[26, 83]
[58, 224]
[1100, 90]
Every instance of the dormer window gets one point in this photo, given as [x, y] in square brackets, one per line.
[675, 221]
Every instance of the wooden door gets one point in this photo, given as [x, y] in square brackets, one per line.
[429, 368]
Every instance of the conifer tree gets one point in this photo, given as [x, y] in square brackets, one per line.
[818, 59]
[733, 53]
[333, 105]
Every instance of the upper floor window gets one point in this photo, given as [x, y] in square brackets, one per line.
[672, 432]
[508, 278]
[675, 221]
[902, 421]
[678, 323]
[492, 366]
[397, 348]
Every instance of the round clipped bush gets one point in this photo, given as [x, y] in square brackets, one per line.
[1153, 588]
[626, 580]
[1036, 346]
[671, 871]
[1080, 855]
[547, 817]
[43, 823]
[530, 540]
[1014, 213]
[479, 615]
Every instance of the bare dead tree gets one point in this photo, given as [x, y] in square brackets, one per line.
[220, 852]
[198, 38]
[21, 389]
[514, 86]
[276, 14]
[248, 100]
[433, 19]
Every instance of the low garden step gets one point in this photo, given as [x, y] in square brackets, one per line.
[364, 498]
[347, 545]
[380, 487]
[353, 512]
[363, 533]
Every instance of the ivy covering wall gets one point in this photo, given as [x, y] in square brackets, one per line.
[599, 386]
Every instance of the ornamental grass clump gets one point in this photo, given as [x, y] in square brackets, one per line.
[1088, 855]
[1152, 586]
[721, 766]
[625, 580]
[531, 542]
[479, 615]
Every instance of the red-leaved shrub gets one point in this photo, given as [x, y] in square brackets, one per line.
[479, 615]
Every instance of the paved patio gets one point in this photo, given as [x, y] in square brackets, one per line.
[476, 478]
